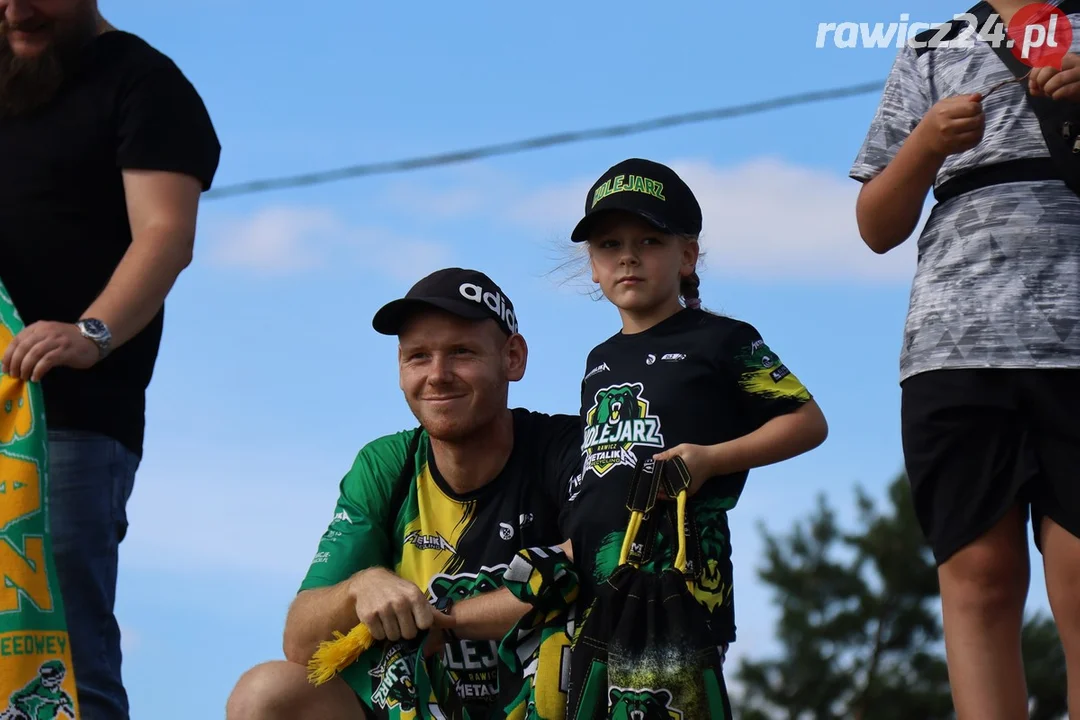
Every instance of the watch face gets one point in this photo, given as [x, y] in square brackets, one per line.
[95, 328]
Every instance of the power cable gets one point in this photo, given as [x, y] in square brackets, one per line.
[564, 138]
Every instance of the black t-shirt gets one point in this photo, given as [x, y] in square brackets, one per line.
[694, 378]
[63, 214]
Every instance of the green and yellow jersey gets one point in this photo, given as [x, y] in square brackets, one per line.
[448, 544]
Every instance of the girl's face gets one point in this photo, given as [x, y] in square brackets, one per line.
[638, 267]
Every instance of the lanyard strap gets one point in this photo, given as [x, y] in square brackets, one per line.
[645, 485]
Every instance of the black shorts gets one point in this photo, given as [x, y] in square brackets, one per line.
[978, 441]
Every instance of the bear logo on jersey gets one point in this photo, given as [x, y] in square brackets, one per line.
[618, 421]
[472, 665]
[641, 705]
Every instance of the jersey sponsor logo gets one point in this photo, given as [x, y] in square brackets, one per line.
[494, 301]
[602, 367]
[573, 488]
[618, 421]
[473, 665]
[506, 531]
[429, 542]
[760, 355]
[779, 373]
[650, 359]
[321, 557]
[342, 516]
[674, 357]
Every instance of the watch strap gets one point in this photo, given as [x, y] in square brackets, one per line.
[102, 340]
[443, 605]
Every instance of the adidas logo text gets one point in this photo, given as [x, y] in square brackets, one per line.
[494, 302]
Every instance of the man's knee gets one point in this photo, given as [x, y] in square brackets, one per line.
[280, 690]
[265, 691]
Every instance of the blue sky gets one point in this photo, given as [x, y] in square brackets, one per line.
[270, 377]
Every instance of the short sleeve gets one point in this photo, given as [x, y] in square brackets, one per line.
[767, 386]
[163, 125]
[563, 460]
[360, 532]
[904, 102]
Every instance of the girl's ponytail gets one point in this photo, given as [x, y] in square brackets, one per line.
[688, 288]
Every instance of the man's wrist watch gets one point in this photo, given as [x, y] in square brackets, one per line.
[97, 332]
[444, 605]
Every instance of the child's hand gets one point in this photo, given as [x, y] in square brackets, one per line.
[953, 125]
[700, 462]
[1063, 84]
[568, 548]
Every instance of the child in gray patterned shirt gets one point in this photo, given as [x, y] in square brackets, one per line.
[991, 349]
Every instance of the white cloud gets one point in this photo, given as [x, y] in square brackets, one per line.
[768, 218]
[282, 240]
[274, 240]
[554, 209]
[403, 258]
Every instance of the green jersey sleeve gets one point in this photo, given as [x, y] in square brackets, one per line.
[768, 388]
[363, 529]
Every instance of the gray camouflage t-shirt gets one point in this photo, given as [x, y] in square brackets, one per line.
[998, 277]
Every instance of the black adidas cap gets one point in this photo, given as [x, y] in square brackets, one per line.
[647, 189]
[469, 294]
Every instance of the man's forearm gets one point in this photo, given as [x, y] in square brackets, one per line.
[139, 285]
[889, 205]
[489, 616]
[313, 618]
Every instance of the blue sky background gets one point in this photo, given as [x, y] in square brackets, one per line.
[270, 377]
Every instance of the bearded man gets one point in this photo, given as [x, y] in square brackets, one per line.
[106, 149]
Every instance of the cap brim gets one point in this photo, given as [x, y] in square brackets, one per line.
[393, 315]
[584, 226]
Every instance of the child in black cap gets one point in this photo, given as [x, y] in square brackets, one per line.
[678, 384]
[675, 381]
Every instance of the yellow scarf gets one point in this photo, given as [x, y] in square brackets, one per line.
[36, 675]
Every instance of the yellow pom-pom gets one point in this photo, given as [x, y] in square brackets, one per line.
[335, 655]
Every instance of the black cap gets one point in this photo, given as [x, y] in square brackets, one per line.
[647, 189]
[469, 294]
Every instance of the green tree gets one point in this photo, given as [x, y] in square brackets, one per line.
[860, 628]
[1044, 665]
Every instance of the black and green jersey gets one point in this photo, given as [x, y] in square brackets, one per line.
[448, 544]
[694, 378]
